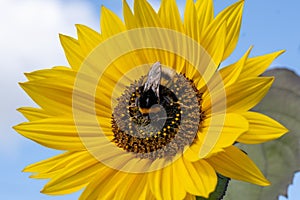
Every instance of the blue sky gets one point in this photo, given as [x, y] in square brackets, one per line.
[29, 41]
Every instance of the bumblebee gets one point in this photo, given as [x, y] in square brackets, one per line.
[149, 98]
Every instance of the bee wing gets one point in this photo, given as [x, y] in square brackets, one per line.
[167, 77]
[153, 79]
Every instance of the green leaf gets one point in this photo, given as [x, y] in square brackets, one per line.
[278, 159]
[220, 189]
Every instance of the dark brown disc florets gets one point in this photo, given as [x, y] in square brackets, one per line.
[166, 128]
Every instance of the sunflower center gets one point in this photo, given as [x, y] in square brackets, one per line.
[155, 125]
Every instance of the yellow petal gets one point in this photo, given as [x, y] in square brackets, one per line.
[214, 43]
[58, 71]
[129, 18]
[226, 76]
[93, 191]
[52, 97]
[76, 174]
[231, 73]
[55, 167]
[145, 14]
[198, 178]
[55, 95]
[205, 11]
[240, 97]
[87, 38]
[166, 184]
[70, 184]
[134, 187]
[234, 163]
[155, 183]
[46, 165]
[257, 65]
[110, 23]
[218, 132]
[232, 17]
[146, 195]
[59, 133]
[72, 50]
[47, 174]
[261, 129]
[108, 186]
[177, 184]
[170, 16]
[119, 180]
[33, 113]
[190, 20]
[246, 94]
[192, 153]
[190, 197]
[232, 127]
[191, 30]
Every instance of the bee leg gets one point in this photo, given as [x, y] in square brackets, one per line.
[146, 115]
[182, 105]
[166, 100]
[136, 102]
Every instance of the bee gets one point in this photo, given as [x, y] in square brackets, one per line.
[149, 97]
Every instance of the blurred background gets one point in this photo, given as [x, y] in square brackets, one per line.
[29, 41]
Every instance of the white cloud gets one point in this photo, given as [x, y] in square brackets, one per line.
[32, 26]
[29, 41]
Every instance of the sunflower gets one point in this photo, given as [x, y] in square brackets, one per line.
[144, 111]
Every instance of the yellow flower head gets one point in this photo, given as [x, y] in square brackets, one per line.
[144, 112]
